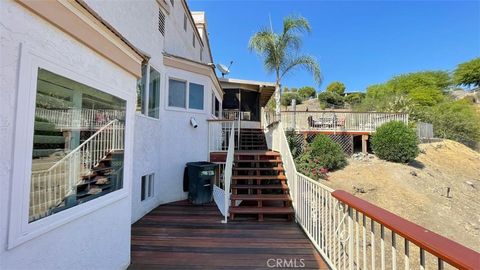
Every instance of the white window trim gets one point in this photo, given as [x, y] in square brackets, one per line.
[20, 230]
[144, 109]
[186, 109]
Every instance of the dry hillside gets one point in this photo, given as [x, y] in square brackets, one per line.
[418, 192]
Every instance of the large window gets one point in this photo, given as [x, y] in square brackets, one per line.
[78, 145]
[195, 96]
[177, 93]
[182, 97]
[148, 95]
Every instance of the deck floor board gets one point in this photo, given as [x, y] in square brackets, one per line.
[183, 236]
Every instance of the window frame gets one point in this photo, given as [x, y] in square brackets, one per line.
[187, 97]
[20, 230]
[144, 108]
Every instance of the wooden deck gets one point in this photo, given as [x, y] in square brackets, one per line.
[183, 236]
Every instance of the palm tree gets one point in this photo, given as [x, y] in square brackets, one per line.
[280, 52]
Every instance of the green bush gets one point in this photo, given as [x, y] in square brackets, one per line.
[287, 97]
[456, 120]
[330, 99]
[396, 142]
[323, 153]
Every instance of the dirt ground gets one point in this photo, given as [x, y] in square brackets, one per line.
[418, 191]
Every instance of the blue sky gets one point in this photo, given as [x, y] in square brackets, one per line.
[356, 42]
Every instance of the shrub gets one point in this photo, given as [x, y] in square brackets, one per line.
[322, 155]
[330, 99]
[396, 142]
[456, 120]
[295, 142]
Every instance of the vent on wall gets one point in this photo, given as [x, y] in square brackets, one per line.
[161, 22]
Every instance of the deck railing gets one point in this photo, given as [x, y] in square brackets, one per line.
[236, 115]
[338, 121]
[49, 187]
[351, 233]
[79, 118]
[219, 134]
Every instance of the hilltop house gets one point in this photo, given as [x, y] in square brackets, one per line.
[102, 105]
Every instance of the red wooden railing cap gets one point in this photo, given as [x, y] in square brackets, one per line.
[449, 251]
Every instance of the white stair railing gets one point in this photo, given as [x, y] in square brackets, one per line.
[219, 132]
[222, 197]
[50, 187]
[79, 118]
[351, 233]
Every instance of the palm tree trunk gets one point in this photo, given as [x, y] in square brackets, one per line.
[277, 100]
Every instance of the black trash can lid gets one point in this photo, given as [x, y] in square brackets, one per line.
[201, 164]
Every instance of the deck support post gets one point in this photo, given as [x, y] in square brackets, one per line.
[364, 143]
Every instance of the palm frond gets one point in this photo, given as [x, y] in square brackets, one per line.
[295, 24]
[306, 62]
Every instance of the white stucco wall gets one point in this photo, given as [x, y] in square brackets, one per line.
[161, 146]
[99, 239]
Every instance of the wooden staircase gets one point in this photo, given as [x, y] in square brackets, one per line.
[259, 182]
[252, 139]
[104, 177]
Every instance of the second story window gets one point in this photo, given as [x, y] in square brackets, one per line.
[161, 22]
[201, 54]
[172, 2]
[193, 40]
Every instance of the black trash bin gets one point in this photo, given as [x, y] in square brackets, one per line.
[200, 181]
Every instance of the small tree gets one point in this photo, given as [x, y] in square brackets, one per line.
[287, 98]
[354, 98]
[336, 87]
[395, 142]
[330, 99]
[456, 120]
[307, 92]
[468, 73]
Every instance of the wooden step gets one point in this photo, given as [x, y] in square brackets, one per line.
[258, 161]
[259, 177]
[261, 210]
[277, 169]
[256, 153]
[261, 197]
[283, 187]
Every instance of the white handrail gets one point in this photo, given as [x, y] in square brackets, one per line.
[49, 187]
[219, 134]
[228, 170]
[348, 238]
